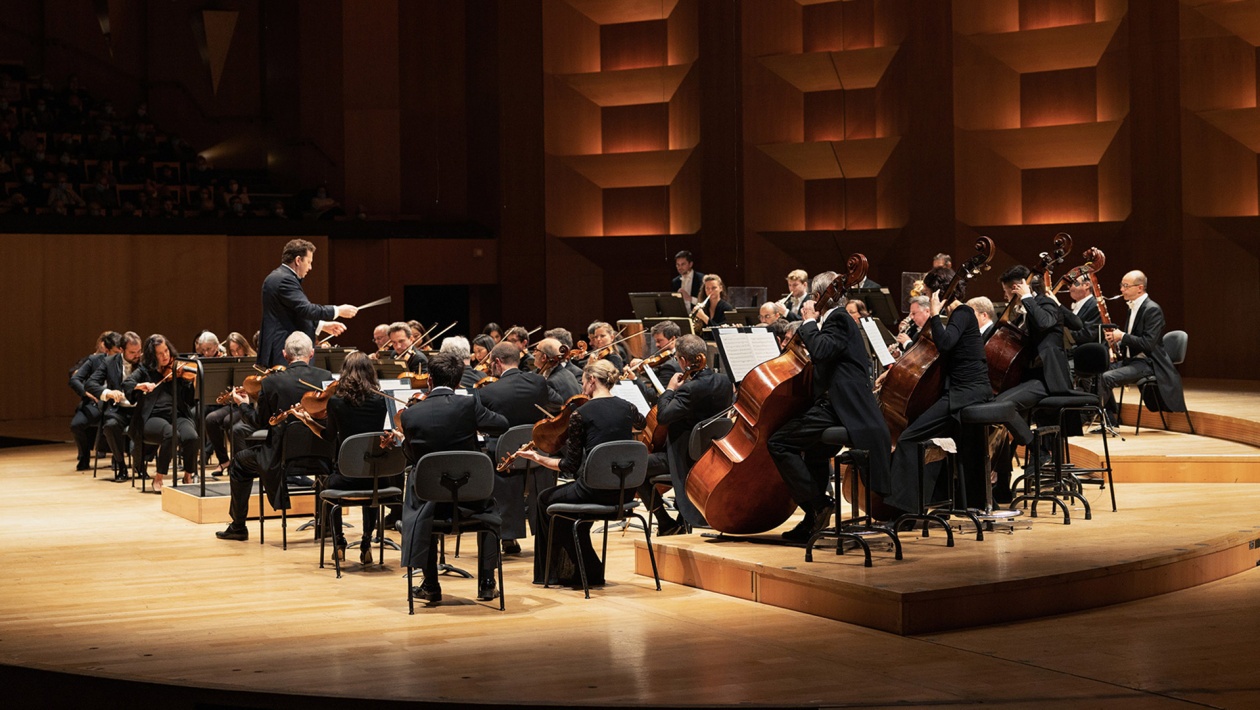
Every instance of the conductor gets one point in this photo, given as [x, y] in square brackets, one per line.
[286, 309]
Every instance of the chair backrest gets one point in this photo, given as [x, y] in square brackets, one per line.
[703, 434]
[615, 466]
[453, 477]
[513, 439]
[298, 443]
[1091, 359]
[361, 456]
[1175, 342]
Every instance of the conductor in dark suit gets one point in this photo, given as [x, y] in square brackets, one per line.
[1141, 342]
[286, 309]
[842, 397]
[280, 391]
[688, 281]
[444, 421]
[517, 396]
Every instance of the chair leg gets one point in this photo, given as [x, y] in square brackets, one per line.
[323, 521]
[336, 558]
[411, 602]
[647, 535]
[551, 538]
[262, 518]
[581, 564]
[498, 548]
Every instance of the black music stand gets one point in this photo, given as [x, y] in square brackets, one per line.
[387, 369]
[744, 316]
[331, 359]
[214, 375]
[879, 301]
[657, 305]
[685, 324]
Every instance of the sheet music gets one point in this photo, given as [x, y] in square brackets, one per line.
[647, 370]
[877, 342]
[631, 393]
[746, 348]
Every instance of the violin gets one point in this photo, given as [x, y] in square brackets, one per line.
[1008, 350]
[185, 371]
[390, 438]
[735, 484]
[253, 383]
[225, 398]
[549, 434]
[315, 402]
[299, 413]
[483, 382]
[655, 435]
[418, 381]
[650, 361]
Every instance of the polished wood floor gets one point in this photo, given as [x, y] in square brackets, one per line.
[97, 580]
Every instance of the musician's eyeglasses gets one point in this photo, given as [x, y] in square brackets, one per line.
[1124, 285]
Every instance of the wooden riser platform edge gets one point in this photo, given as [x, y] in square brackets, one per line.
[214, 509]
[1217, 426]
[959, 607]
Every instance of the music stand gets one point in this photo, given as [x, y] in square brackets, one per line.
[748, 316]
[879, 301]
[213, 376]
[741, 349]
[684, 324]
[657, 304]
[331, 359]
[388, 369]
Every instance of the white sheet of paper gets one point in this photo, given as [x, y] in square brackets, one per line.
[647, 370]
[877, 342]
[631, 393]
[746, 350]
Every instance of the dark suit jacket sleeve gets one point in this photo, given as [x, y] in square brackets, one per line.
[1043, 313]
[96, 383]
[948, 336]
[489, 422]
[1148, 330]
[829, 342]
[293, 298]
[79, 380]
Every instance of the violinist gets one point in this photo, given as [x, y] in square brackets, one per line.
[152, 388]
[966, 374]
[222, 420]
[207, 345]
[280, 391]
[88, 414]
[238, 346]
[404, 347]
[457, 345]
[520, 397]
[664, 337]
[549, 355]
[106, 385]
[686, 401]
[604, 418]
[355, 409]
[286, 308]
[713, 309]
[481, 347]
[494, 331]
[842, 397]
[443, 421]
[602, 336]
[380, 337]
[769, 313]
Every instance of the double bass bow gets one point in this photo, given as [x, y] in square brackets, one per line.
[736, 484]
[914, 381]
[1008, 350]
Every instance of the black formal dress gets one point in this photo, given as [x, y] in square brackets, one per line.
[88, 414]
[718, 316]
[286, 310]
[444, 421]
[115, 420]
[344, 421]
[517, 396]
[842, 397]
[280, 391]
[966, 383]
[696, 400]
[155, 420]
[598, 421]
[1142, 351]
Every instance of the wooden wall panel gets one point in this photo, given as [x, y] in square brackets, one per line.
[633, 128]
[30, 383]
[634, 45]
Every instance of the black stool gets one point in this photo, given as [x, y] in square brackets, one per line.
[1078, 403]
[857, 526]
[939, 512]
[1042, 483]
[989, 415]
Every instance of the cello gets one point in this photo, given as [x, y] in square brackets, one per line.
[914, 382]
[655, 435]
[735, 484]
[1008, 351]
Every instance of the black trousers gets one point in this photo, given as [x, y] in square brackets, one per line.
[1125, 372]
[565, 551]
[934, 423]
[82, 426]
[158, 430]
[223, 422]
[803, 463]
[114, 429]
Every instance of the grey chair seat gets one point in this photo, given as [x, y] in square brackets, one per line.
[592, 509]
[359, 494]
[835, 436]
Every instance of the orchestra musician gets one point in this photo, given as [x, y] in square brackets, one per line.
[88, 414]
[207, 345]
[604, 418]
[551, 365]
[966, 376]
[713, 313]
[664, 337]
[106, 385]
[443, 421]
[286, 309]
[687, 282]
[238, 346]
[355, 409]
[280, 391]
[842, 397]
[920, 311]
[520, 397]
[222, 420]
[151, 387]
[518, 336]
[602, 336]
[457, 345]
[566, 339]
[404, 343]
[481, 347]
[494, 330]
[769, 313]
[681, 406]
[798, 292]
[380, 337]
[1085, 306]
[1141, 345]
[985, 316]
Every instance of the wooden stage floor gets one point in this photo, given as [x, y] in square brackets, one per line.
[133, 603]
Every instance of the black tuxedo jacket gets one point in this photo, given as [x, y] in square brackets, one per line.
[83, 374]
[697, 283]
[1045, 332]
[1147, 338]
[1090, 319]
[562, 384]
[285, 311]
[108, 376]
[697, 399]
[842, 373]
[962, 358]
[515, 396]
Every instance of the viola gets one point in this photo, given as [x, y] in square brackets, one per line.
[253, 383]
[484, 381]
[1008, 350]
[548, 434]
[418, 381]
[736, 484]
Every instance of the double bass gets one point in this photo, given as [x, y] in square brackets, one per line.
[736, 485]
[1008, 351]
[914, 382]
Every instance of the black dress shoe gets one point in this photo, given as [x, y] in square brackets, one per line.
[678, 527]
[814, 522]
[427, 594]
[233, 534]
[800, 533]
[365, 552]
[511, 547]
[120, 474]
[83, 466]
[487, 592]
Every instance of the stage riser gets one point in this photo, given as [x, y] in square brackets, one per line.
[214, 509]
